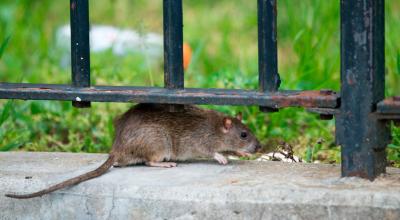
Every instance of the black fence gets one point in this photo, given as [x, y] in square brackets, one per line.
[361, 110]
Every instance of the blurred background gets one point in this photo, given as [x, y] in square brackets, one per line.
[223, 37]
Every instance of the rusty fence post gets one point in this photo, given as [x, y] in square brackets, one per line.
[362, 136]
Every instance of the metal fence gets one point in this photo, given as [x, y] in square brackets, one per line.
[361, 110]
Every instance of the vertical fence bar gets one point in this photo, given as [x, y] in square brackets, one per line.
[173, 40]
[173, 49]
[362, 136]
[80, 50]
[269, 80]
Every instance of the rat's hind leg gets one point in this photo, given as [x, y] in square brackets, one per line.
[161, 164]
[159, 150]
[156, 159]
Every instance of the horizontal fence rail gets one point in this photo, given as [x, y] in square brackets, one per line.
[389, 106]
[161, 95]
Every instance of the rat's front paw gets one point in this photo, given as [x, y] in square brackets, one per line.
[220, 158]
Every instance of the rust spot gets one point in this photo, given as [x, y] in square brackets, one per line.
[326, 92]
[394, 101]
[33, 89]
[305, 99]
[350, 79]
[390, 107]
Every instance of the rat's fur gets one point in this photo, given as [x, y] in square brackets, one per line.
[150, 134]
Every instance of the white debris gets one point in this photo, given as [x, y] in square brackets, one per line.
[231, 157]
[78, 99]
[282, 155]
[119, 41]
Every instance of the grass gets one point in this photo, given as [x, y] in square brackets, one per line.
[223, 36]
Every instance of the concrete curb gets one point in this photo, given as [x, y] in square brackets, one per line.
[196, 190]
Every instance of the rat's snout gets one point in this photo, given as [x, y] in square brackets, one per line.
[258, 147]
[254, 147]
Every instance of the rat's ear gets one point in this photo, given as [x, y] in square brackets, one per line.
[227, 122]
[239, 116]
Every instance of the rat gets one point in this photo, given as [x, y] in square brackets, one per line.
[150, 134]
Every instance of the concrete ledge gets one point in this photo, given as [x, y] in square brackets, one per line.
[197, 190]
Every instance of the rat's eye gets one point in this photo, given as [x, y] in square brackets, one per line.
[243, 135]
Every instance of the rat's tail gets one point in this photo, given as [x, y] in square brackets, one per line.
[92, 174]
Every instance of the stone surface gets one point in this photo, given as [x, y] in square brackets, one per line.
[195, 190]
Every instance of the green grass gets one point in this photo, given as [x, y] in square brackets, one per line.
[223, 36]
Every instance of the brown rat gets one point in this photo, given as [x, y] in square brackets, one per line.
[150, 134]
